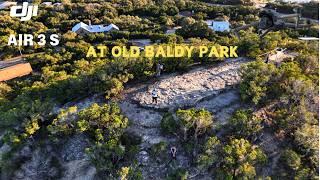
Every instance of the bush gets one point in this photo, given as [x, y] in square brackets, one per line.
[196, 29]
[245, 124]
[290, 159]
[211, 153]
[178, 174]
[256, 81]
[194, 121]
[159, 151]
[168, 124]
[130, 173]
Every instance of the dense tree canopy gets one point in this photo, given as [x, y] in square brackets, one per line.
[64, 74]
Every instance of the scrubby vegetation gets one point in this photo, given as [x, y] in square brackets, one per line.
[292, 89]
[63, 74]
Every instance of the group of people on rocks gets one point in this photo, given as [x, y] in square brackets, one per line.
[155, 96]
[154, 93]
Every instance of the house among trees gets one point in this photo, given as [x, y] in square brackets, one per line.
[219, 24]
[9, 70]
[173, 30]
[82, 28]
[7, 4]
[48, 3]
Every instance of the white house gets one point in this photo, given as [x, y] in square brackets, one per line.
[219, 26]
[82, 28]
[57, 4]
[173, 30]
[47, 3]
[7, 4]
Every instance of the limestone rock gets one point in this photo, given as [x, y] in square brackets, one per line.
[79, 170]
[192, 87]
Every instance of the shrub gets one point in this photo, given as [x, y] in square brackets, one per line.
[194, 121]
[178, 174]
[168, 124]
[290, 159]
[245, 124]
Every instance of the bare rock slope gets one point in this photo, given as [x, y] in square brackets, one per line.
[191, 88]
[210, 88]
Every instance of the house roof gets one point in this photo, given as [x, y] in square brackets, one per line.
[212, 22]
[15, 71]
[112, 26]
[218, 25]
[47, 3]
[94, 28]
[7, 4]
[173, 30]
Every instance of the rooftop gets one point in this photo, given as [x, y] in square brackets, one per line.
[94, 28]
[6, 4]
[14, 71]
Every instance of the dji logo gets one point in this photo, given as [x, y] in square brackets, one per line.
[26, 11]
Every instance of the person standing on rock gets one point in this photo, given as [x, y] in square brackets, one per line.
[173, 151]
[267, 59]
[159, 68]
[154, 95]
[173, 161]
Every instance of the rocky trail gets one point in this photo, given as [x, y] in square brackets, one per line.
[211, 88]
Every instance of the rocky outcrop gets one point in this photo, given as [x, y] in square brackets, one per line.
[42, 165]
[209, 88]
[222, 106]
[79, 170]
[191, 88]
[65, 161]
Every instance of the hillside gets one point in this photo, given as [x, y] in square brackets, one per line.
[194, 116]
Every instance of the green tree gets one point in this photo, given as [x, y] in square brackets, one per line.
[4, 91]
[197, 29]
[308, 136]
[130, 173]
[32, 127]
[240, 157]
[168, 124]
[106, 124]
[195, 120]
[290, 159]
[178, 174]
[107, 156]
[256, 81]
[245, 124]
[211, 153]
[249, 44]
[64, 122]
[106, 117]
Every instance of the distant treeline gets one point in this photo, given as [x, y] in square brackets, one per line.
[231, 2]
